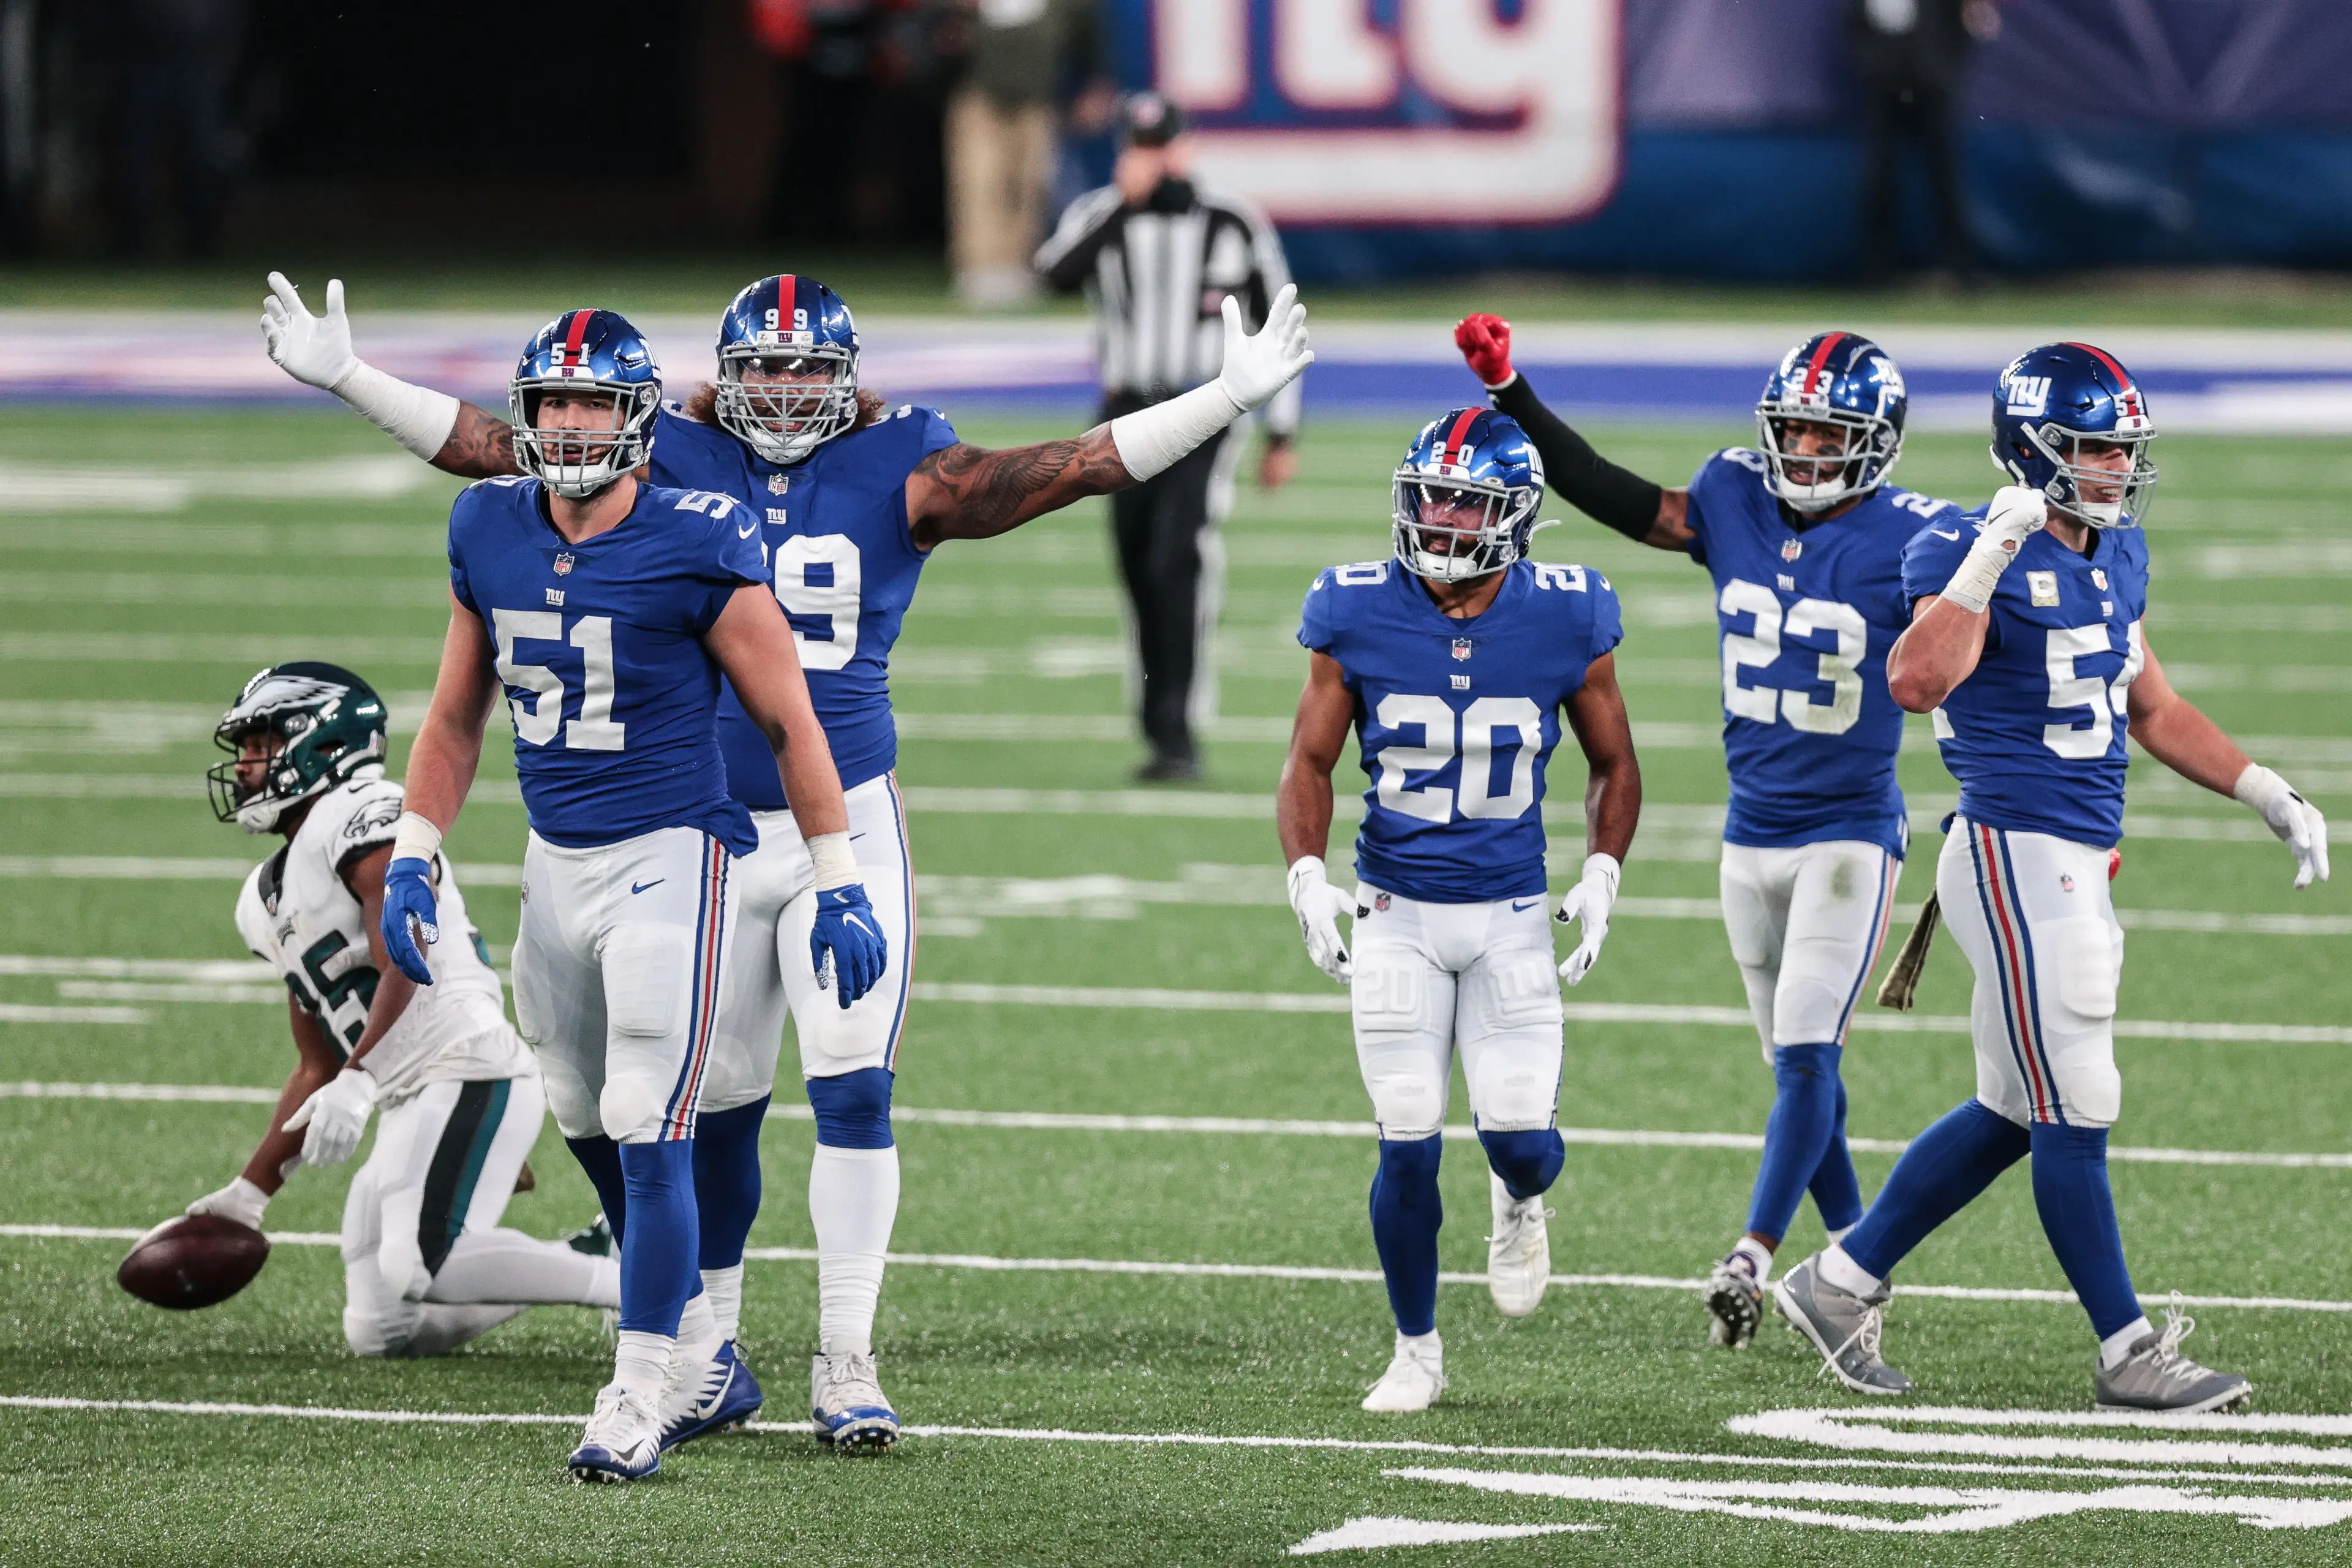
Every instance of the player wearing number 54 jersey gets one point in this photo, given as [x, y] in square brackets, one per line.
[1455, 661]
[608, 610]
[2026, 643]
[1803, 538]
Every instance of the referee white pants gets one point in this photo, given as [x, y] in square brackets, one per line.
[1806, 925]
[617, 974]
[769, 974]
[1432, 979]
[2032, 913]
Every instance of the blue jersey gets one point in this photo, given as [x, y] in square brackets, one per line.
[2035, 733]
[835, 534]
[613, 698]
[1457, 717]
[1806, 617]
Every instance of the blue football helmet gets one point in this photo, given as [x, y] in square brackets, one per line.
[1833, 378]
[2070, 421]
[1466, 496]
[599, 353]
[787, 367]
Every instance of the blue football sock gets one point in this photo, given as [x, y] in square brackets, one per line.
[853, 1108]
[658, 1271]
[1796, 1135]
[1406, 1213]
[601, 1158]
[1940, 1174]
[1529, 1161]
[2078, 1215]
[1837, 1192]
[727, 1180]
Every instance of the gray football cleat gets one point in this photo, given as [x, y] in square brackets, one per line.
[1734, 1302]
[1519, 1251]
[2157, 1376]
[1842, 1326]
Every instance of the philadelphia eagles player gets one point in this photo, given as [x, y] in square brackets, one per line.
[426, 1265]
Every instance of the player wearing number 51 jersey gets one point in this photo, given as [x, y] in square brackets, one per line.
[2026, 643]
[1455, 661]
[1803, 538]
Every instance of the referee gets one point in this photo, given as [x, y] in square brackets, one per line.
[1158, 257]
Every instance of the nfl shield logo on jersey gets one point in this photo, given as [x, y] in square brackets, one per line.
[1462, 648]
[1791, 548]
[563, 564]
[779, 483]
[2099, 578]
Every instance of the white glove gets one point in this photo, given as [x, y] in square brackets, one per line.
[240, 1201]
[2295, 820]
[336, 1114]
[1594, 895]
[2016, 514]
[1318, 906]
[1256, 367]
[313, 350]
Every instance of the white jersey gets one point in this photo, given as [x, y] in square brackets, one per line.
[296, 911]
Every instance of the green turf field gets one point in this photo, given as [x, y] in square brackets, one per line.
[1076, 1414]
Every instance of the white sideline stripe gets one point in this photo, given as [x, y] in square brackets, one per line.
[1306, 1273]
[24, 1012]
[1213, 1126]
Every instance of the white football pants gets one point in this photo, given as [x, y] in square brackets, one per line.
[2033, 916]
[1434, 978]
[769, 974]
[617, 972]
[1806, 925]
[421, 1227]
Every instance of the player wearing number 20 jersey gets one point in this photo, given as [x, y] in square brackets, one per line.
[1803, 537]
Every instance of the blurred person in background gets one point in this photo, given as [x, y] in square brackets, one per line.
[1910, 55]
[1000, 133]
[171, 61]
[1158, 257]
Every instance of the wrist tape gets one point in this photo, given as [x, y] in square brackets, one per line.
[415, 838]
[1972, 586]
[416, 417]
[832, 862]
[1152, 441]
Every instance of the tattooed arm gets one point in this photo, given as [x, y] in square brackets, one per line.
[481, 445]
[965, 492]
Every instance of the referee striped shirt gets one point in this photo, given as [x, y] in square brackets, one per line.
[1158, 281]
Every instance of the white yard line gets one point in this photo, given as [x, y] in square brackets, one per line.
[21, 1013]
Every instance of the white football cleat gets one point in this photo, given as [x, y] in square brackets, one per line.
[1415, 1377]
[623, 1442]
[845, 1401]
[1518, 1252]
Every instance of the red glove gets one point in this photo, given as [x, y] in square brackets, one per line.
[1485, 342]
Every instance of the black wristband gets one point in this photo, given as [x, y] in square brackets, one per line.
[1610, 495]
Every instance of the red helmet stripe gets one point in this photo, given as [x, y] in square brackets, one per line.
[574, 331]
[1457, 438]
[2124, 382]
[1821, 357]
[786, 286]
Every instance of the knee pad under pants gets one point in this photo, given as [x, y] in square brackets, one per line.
[2031, 913]
[1805, 926]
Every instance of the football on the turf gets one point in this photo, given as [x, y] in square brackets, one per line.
[195, 1260]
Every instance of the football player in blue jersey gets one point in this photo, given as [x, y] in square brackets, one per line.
[851, 502]
[1803, 538]
[608, 610]
[1455, 661]
[2026, 645]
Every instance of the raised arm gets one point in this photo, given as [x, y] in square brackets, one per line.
[1302, 811]
[1637, 508]
[1947, 635]
[1067, 260]
[454, 436]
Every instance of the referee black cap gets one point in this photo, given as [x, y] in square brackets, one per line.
[1150, 121]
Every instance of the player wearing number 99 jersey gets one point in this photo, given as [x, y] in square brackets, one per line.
[1803, 538]
[1455, 662]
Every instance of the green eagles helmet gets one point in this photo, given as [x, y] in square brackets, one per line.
[332, 724]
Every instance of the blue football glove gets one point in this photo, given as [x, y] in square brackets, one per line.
[847, 945]
[408, 911]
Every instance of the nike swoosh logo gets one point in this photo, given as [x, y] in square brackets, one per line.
[641, 887]
[748, 532]
[1941, 534]
[1522, 908]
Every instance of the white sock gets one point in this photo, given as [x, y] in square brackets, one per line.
[697, 1328]
[723, 1288]
[1840, 1232]
[2117, 1345]
[1846, 1273]
[641, 1362]
[502, 1265]
[1425, 1347]
[853, 1202]
[1756, 1253]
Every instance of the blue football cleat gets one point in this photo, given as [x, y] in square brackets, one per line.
[623, 1442]
[847, 1403]
[715, 1395]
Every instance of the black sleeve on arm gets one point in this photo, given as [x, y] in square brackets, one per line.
[1578, 475]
